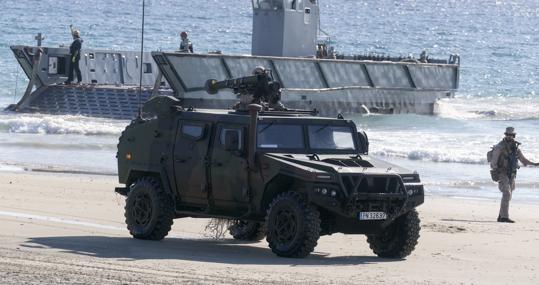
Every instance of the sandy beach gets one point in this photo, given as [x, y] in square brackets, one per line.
[69, 229]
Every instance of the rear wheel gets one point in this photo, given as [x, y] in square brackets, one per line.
[247, 230]
[149, 210]
[399, 239]
[292, 225]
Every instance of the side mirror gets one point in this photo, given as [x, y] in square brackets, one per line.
[363, 141]
[232, 140]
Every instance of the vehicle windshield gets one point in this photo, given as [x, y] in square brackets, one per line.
[321, 137]
[326, 137]
[274, 136]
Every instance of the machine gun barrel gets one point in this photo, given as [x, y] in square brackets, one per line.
[259, 88]
[212, 86]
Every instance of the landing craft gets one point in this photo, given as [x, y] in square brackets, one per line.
[286, 39]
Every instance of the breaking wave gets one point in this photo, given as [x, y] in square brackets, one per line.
[489, 108]
[433, 156]
[55, 124]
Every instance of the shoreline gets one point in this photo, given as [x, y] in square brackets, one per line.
[14, 168]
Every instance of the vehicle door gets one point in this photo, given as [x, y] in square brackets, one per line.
[190, 161]
[229, 168]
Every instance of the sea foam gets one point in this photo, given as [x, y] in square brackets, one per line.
[489, 108]
[54, 124]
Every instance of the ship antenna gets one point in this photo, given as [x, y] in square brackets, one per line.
[141, 62]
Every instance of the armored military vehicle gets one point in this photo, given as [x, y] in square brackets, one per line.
[285, 174]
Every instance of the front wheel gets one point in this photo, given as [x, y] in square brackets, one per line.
[399, 239]
[149, 210]
[292, 225]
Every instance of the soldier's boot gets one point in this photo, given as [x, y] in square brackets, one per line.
[505, 220]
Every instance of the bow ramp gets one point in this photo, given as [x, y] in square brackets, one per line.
[328, 85]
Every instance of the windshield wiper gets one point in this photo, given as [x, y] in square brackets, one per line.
[313, 156]
[319, 130]
[263, 129]
[357, 156]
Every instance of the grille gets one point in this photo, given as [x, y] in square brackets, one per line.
[373, 194]
[371, 184]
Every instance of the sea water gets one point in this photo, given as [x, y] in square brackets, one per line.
[498, 42]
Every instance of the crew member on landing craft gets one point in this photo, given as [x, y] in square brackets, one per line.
[504, 165]
[74, 56]
[185, 45]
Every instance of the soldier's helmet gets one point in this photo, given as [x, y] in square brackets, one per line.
[183, 34]
[510, 131]
[259, 70]
[76, 33]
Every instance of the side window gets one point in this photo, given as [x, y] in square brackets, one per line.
[193, 131]
[234, 137]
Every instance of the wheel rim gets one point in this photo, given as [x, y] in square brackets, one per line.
[142, 210]
[285, 226]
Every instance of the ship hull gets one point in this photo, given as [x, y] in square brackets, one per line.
[110, 82]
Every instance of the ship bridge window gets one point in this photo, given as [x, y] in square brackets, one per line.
[268, 4]
[297, 5]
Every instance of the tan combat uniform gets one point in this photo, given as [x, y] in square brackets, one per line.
[500, 163]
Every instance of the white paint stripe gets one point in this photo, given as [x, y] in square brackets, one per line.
[80, 223]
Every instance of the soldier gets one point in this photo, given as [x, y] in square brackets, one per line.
[423, 57]
[504, 165]
[262, 90]
[185, 45]
[74, 56]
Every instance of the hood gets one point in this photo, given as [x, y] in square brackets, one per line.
[334, 164]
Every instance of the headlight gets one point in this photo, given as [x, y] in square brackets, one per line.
[326, 191]
[414, 190]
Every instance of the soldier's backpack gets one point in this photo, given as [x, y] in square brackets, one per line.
[489, 154]
[494, 175]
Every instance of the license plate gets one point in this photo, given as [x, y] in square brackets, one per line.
[369, 216]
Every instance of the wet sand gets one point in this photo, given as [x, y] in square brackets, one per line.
[69, 229]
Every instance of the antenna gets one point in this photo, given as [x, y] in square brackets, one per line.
[141, 63]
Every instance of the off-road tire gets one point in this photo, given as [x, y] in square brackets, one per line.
[292, 225]
[399, 239]
[149, 210]
[247, 230]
